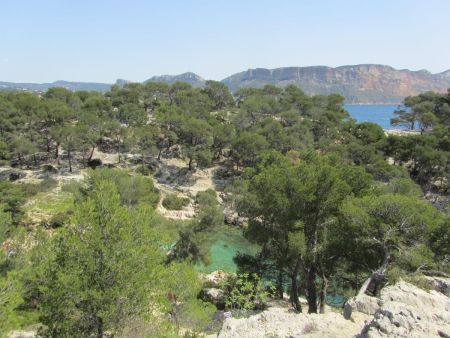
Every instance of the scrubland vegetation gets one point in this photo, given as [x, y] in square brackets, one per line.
[334, 206]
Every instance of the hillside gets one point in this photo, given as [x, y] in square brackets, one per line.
[358, 83]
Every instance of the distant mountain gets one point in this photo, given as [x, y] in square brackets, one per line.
[192, 78]
[358, 84]
[42, 87]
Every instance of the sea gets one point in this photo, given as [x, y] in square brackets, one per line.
[378, 113]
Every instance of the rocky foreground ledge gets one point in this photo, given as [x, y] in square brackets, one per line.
[403, 310]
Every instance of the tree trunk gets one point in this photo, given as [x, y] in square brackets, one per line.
[279, 286]
[311, 287]
[70, 159]
[91, 154]
[190, 164]
[294, 288]
[375, 279]
[175, 317]
[323, 294]
[100, 328]
[57, 152]
[159, 154]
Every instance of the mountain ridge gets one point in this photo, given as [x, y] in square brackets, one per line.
[361, 83]
[194, 79]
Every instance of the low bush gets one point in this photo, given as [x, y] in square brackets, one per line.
[31, 189]
[244, 292]
[174, 202]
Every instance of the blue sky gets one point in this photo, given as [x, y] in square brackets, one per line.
[99, 40]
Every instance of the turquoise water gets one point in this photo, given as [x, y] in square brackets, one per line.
[227, 242]
[380, 114]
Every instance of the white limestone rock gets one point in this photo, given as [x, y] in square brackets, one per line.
[408, 311]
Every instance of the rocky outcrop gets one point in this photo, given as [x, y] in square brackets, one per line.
[213, 293]
[231, 217]
[403, 310]
[439, 284]
[408, 311]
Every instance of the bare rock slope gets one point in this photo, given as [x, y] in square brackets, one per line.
[408, 311]
[403, 310]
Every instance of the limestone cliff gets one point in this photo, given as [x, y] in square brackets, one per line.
[358, 83]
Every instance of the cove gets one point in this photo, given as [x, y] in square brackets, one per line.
[226, 243]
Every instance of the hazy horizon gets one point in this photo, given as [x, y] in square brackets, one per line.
[205, 78]
[103, 41]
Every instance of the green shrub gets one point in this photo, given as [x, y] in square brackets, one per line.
[207, 197]
[403, 186]
[145, 171]
[59, 219]
[12, 197]
[210, 213]
[133, 190]
[395, 274]
[174, 202]
[244, 292]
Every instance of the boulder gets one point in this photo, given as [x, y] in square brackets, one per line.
[215, 296]
[216, 277]
[231, 217]
[365, 304]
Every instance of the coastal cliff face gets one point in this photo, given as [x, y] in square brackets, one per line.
[358, 84]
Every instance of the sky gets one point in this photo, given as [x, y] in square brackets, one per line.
[103, 40]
